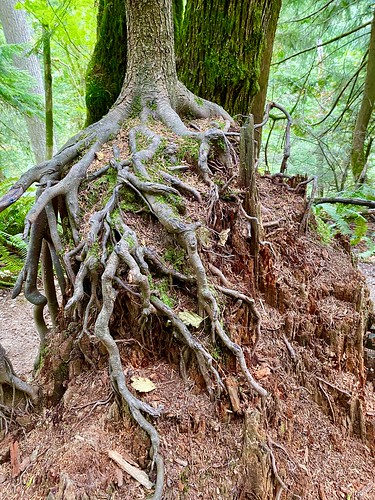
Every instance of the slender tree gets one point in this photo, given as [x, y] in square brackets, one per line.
[359, 154]
[16, 31]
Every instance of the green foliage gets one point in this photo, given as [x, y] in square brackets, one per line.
[321, 88]
[15, 84]
[346, 219]
[12, 247]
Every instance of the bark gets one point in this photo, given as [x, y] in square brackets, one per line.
[16, 30]
[225, 67]
[106, 70]
[358, 155]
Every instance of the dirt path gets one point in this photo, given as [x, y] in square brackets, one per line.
[17, 332]
[368, 269]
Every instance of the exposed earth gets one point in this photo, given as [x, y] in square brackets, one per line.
[63, 453]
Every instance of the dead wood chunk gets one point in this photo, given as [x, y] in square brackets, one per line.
[136, 473]
[258, 476]
[66, 489]
[322, 495]
[232, 387]
[15, 459]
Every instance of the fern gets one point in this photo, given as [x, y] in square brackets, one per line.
[11, 263]
[344, 219]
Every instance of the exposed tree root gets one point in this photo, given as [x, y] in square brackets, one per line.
[110, 252]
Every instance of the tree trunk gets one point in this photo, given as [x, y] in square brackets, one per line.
[225, 67]
[48, 90]
[151, 65]
[358, 156]
[106, 70]
[16, 30]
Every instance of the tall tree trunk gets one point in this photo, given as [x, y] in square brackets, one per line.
[106, 70]
[221, 49]
[17, 30]
[151, 65]
[358, 154]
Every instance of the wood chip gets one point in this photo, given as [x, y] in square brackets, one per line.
[136, 473]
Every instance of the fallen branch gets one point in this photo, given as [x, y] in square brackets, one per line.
[346, 201]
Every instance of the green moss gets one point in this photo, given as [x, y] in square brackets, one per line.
[162, 288]
[143, 142]
[188, 149]
[151, 104]
[175, 257]
[106, 69]
[199, 101]
[129, 201]
[136, 107]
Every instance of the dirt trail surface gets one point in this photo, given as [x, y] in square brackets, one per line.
[368, 269]
[17, 332]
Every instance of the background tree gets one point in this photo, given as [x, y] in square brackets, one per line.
[319, 78]
[359, 153]
[17, 30]
[220, 50]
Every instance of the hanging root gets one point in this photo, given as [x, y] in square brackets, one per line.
[9, 377]
[111, 251]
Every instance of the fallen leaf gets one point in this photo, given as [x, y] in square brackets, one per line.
[223, 237]
[189, 318]
[143, 384]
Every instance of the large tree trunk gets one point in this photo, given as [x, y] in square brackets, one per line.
[221, 48]
[17, 30]
[106, 70]
[358, 155]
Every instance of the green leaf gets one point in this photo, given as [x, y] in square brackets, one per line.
[189, 318]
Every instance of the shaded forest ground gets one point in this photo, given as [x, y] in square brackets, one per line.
[307, 357]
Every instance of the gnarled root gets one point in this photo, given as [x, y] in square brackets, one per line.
[110, 252]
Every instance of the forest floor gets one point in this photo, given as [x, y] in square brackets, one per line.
[201, 441]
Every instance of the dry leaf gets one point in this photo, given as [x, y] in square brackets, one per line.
[189, 318]
[223, 236]
[143, 384]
